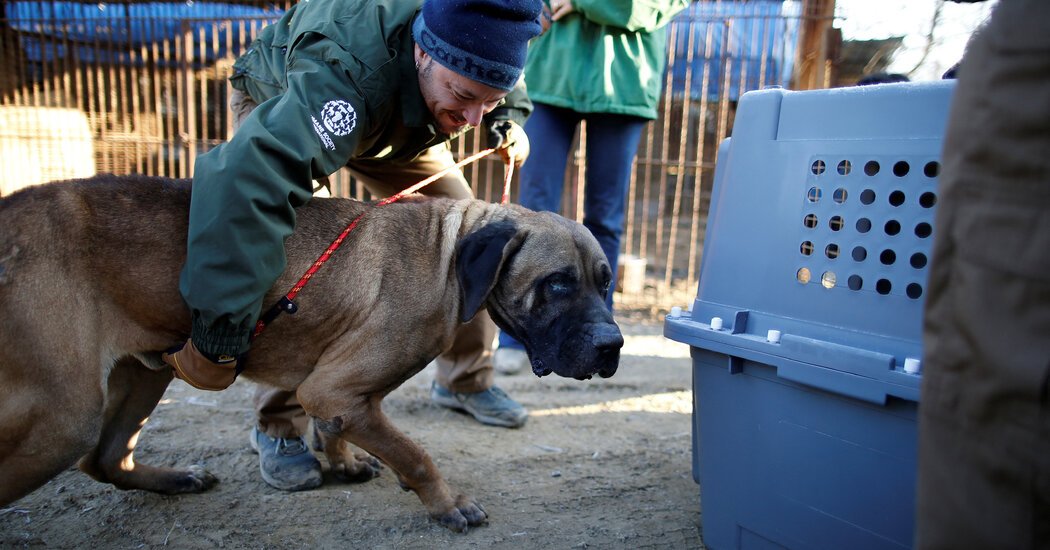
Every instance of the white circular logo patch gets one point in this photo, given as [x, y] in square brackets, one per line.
[339, 117]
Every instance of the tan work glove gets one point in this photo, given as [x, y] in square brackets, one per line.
[199, 371]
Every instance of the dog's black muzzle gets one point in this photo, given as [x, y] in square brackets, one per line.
[595, 349]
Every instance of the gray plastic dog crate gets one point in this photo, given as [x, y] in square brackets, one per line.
[805, 334]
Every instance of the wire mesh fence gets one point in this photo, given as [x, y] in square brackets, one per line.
[140, 87]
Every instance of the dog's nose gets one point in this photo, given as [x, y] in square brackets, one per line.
[608, 340]
[606, 337]
[539, 368]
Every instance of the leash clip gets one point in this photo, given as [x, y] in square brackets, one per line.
[284, 305]
[287, 306]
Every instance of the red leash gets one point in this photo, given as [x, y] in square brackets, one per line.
[286, 305]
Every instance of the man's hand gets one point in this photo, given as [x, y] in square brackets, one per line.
[508, 139]
[561, 8]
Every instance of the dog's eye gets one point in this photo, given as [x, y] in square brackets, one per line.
[558, 283]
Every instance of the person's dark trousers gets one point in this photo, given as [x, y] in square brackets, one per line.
[611, 145]
[984, 410]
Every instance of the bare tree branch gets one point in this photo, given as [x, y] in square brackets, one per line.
[931, 40]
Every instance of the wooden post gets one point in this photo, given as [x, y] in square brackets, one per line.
[811, 67]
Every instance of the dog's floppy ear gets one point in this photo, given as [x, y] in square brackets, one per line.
[480, 257]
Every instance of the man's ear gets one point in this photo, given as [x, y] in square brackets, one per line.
[479, 259]
[419, 55]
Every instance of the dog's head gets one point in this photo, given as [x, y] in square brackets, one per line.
[544, 280]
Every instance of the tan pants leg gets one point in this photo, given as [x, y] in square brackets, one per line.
[278, 413]
[241, 105]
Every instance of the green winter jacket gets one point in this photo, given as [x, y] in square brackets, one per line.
[606, 57]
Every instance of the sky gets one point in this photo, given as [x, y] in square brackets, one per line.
[870, 19]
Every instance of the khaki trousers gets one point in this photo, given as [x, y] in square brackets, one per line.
[467, 365]
[984, 412]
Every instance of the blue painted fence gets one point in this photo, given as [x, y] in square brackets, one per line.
[734, 47]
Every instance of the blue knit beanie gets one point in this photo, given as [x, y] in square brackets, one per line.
[484, 40]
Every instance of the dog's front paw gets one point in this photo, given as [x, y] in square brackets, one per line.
[464, 514]
[360, 468]
[195, 480]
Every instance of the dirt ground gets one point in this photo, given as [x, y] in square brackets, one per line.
[600, 464]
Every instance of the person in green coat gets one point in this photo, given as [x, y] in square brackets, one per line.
[601, 62]
[379, 86]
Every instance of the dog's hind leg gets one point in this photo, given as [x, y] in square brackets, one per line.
[33, 453]
[44, 427]
[134, 392]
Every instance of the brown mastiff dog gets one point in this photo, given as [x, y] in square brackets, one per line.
[89, 296]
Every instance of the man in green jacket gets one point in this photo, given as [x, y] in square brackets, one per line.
[379, 86]
[601, 62]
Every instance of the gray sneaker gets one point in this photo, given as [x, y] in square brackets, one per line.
[286, 463]
[492, 406]
[510, 360]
